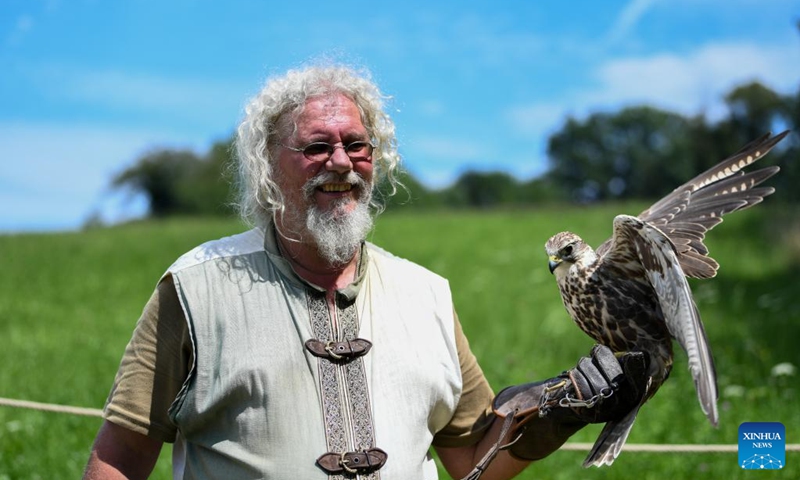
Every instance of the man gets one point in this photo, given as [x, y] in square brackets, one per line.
[298, 350]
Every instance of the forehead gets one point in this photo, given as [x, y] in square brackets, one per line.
[328, 112]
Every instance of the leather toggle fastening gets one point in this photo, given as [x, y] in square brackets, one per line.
[339, 351]
[353, 463]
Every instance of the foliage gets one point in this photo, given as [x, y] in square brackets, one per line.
[482, 190]
[410, 193]
[643, 153]
[630, 154]
[207, 188]
[159, 175]
[178, 182]
[65, 327]
[754, 109]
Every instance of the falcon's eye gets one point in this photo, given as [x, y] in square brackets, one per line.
[567, 250]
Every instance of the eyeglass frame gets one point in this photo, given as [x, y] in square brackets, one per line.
[332, 150]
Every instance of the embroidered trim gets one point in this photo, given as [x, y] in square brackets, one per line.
[360, 410]
[345, 393]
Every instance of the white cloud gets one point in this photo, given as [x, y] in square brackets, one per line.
[133, 90]
[21, 29]
[24, 23]
[437, 161]
[182, 97]
[628, 18]
[431, 108]
[446, 149]
[534, 120]
[688, 84]
[55, 175]
[696, 81]
[433, 176]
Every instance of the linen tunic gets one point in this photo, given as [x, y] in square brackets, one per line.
[257, 404]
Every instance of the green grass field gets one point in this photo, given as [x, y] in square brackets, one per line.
[69, 301]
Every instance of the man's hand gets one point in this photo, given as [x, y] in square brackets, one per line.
[599, 389]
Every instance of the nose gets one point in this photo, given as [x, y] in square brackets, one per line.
[339, 162]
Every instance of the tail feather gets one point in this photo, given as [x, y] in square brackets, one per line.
[609, 444]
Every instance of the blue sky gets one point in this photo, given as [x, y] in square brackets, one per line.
[87, 86]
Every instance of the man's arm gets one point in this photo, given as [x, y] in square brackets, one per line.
[471, 416]
[599, 389]
[119, 453]
[126, 446]
[459, 461]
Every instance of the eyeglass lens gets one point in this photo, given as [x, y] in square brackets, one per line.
[321, 151]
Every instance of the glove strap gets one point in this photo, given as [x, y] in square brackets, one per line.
[481, 467]
[554, 394]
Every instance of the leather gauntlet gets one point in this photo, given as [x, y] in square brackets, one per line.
[599, 389]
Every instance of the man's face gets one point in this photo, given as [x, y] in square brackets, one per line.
[332, 193]
[334, 120]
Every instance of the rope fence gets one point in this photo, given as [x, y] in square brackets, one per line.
[576, 446]
[50, 407]
[672, 448]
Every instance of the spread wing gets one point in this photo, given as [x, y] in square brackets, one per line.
[659, 259]
[697, 206]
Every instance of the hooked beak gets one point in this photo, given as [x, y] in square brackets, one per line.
[554, 263]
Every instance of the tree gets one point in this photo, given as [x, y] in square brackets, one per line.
[636, 153]
[180, 182]
[410, 194]
[207, 187]
[754, 109]
[541, 190]
[158, 175]
[482, 190]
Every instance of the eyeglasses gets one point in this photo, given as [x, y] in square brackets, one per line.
[358, 151]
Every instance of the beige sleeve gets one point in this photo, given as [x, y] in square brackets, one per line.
[473, 414]
[154, 366]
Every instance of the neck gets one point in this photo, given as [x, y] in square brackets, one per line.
[311, 267]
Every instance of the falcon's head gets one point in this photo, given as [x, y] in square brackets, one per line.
[566, 247]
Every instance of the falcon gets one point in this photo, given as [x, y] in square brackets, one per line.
[631, 294]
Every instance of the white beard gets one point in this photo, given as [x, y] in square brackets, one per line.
[336, 233]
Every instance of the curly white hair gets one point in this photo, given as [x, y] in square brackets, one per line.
[259, 197]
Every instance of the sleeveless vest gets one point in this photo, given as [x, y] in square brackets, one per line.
[259, 404]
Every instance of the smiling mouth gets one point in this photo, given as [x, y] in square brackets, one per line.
[336, 187]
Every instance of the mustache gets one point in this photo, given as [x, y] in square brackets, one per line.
[355, 180]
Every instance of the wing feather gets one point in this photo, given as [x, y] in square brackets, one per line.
[662, 268]
[751, 153]
[703, 200]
